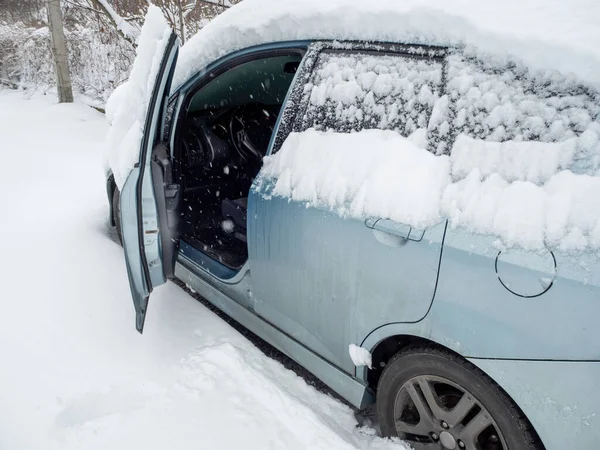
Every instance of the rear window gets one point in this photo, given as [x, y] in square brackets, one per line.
[501, 103]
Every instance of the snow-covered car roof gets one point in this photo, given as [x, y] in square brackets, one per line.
[554, 35]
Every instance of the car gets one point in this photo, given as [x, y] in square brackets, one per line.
[371, 210]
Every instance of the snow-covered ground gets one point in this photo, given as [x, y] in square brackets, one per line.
[74, 373]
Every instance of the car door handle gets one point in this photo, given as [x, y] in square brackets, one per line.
[395, 228]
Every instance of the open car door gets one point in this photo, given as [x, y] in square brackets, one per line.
[150, 198]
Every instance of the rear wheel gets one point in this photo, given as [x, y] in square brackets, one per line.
[116, 210]
[436, 400]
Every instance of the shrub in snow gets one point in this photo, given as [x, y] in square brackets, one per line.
[98, 61]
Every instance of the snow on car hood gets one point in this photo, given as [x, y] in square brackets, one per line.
[543, 34]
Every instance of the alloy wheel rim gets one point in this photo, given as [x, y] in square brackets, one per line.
[432, 412]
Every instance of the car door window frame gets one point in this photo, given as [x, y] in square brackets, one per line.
[187, 91]
[296, 106]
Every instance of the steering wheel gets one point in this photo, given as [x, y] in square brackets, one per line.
[245, 124]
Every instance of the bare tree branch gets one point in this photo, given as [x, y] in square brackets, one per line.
[102, 7]
[226, 4]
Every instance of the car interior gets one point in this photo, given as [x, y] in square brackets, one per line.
[224, 136]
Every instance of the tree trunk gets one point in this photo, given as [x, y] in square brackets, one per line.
[59, 51]
[181, 23]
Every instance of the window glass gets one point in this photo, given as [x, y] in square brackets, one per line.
[264, 81]
[351, 91]
[499, 103]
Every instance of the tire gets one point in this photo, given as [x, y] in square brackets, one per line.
[459, 406]
[116, 210]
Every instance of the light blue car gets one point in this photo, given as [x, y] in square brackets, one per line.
[471, 346]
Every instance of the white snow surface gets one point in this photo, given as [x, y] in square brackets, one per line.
[372, 173]
[513, 160]
[75, 373]
[380, 174]
[379, 91]
[499, 104]
[360, 356]
[545, 35]
[127, 107]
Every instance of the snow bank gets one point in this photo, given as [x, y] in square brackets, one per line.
[377, 173]
[544, 34]
[126, 109]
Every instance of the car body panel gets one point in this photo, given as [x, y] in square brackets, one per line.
[235, 284]
[476, 316]
[561, 399]
[349, 285]
[139, 210]
[349, 388]
[476, 312]
[354, 277]
[352, 265]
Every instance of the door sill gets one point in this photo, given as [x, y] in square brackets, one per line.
[208, 264]
[355, 392]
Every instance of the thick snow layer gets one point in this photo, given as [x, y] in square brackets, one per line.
[127, 107]
[562, 214]
[360, 356]
[544, 34]
[364, 174]
[366, 91]
[505, 104]
[513, 160]
[352, 92]
[487, 97]
[75, 374]
[375, 173]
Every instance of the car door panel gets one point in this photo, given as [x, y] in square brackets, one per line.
[328, 281]
[149, 198]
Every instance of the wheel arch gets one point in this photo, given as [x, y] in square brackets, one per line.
[383, 346]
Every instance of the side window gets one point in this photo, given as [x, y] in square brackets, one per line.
[500, 103]
[355, 90]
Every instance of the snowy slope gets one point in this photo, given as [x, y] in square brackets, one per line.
[75, 373]
[544, 34]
